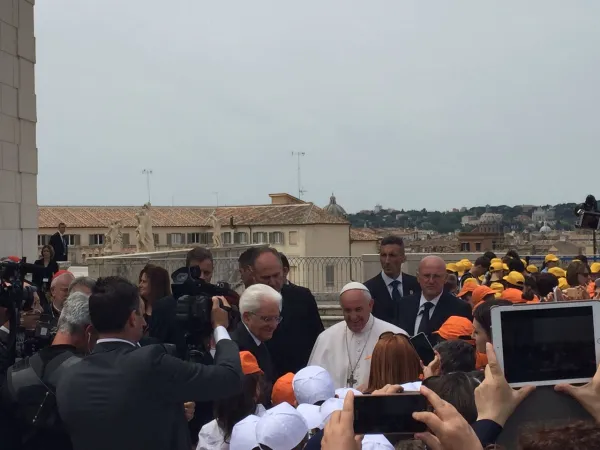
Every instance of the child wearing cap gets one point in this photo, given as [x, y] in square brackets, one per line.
[283, 391]
[217, 433]
[282, 428]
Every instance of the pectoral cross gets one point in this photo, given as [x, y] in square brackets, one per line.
[351, 381]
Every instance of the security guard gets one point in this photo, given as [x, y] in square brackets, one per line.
[30, 384]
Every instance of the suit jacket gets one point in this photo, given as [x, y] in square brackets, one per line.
[122, 397]
[383, 306]
[448, 306]
[295, 337]
[61, 249]
[246, 343]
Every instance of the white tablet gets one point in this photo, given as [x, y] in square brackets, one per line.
[545, 344]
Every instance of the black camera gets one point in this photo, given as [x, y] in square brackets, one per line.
[588, 217]
[194, 303]
[14, 295]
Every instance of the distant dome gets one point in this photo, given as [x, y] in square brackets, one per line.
[545, 228]
[334, 209]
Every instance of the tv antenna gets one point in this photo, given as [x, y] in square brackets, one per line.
[147, 172]
[300, 190]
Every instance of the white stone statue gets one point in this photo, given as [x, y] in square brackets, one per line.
[216, 231]
[143, 232]
[113, 239]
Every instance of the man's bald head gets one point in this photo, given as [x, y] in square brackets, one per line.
[432, 276]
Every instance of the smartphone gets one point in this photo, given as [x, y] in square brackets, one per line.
[423, 348]
[388, 414]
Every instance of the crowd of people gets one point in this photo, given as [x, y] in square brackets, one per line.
[122, 372]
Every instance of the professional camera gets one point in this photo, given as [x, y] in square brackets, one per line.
[194, 304]
[14, 295]
[587, 214]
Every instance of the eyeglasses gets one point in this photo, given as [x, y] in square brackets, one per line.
[268, 319]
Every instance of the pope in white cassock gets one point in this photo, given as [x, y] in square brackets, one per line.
[345, 348]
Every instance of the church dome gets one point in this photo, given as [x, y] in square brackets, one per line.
[545, 228]
[334, 209]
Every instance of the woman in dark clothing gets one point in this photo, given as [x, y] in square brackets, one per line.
[159, 304]
[42, 280]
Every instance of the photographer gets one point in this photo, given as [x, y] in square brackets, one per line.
[123, 396]
[29, 390]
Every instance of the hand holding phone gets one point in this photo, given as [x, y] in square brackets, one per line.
[423, 347]
[389, 414]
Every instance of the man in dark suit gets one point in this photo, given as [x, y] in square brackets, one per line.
[389, 286]
[124, 396]
[300, 326]
[427, 312]
[60, 243]
[260, 307]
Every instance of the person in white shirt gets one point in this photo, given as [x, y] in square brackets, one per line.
[344, 348]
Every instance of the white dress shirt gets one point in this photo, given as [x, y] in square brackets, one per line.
[388, 282]
[422, 309]
[256, 340]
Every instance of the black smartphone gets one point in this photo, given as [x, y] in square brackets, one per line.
[388, 414]
[423, 348]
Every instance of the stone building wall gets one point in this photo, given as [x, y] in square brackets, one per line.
[18, 150]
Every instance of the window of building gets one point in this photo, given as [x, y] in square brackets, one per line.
[329, 276]
[125, 239]
[240, 238]
[477, 246]
[465, 247]
[72, 239]
[276, 238]
[293, 238]
[260, 238]
[493, 245]
[206, 238]
[175, 239]
[43, 239]
[156, 239]
[96, 239]
[193, 238]
[226, 238]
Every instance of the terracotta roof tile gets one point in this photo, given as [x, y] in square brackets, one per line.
[191, 216]
[364, 234]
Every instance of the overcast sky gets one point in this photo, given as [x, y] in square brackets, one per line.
[410, 104]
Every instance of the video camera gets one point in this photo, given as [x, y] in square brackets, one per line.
[588, 215]
[14, 295]
[194, 304]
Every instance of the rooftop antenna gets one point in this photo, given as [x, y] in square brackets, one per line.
[300, 190]
[147, 172]
[216, 194]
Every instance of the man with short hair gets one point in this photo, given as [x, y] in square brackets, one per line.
[82, 284]
[481, 267]
[260, 308]
[389, 286]
[344, 348]
[203, 259]
[59, 290]
[60, 243]
[427, 311]
[245, 266]
[301, 323]
[32, 379]
[124, 396]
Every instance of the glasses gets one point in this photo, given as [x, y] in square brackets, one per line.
[268, 319]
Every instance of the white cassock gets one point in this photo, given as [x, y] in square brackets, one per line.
[346, 355]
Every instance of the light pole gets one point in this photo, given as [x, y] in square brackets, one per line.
[216, 194]
[300, 190]
[147, 172]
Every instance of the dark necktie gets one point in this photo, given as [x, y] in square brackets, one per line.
[424, 325]
[396, 295]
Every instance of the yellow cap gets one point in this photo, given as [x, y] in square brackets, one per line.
[460, 268]
[468, 264]
[498, 287]
[532, 269]
[505, 267]
[451, 267]
[595, 268]
[515, 278]
[496, 260]
[562, 283]
[524, 262]
[496, 267]
[470, 281]
[557, 272]
[550, 258]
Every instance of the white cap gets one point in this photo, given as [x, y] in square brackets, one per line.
[243, 436]
[376, 442]
[312, 415]
[342, 392]
[281, 428]
[354, 286]
[313, 384]
[328, 408]
[414, 386]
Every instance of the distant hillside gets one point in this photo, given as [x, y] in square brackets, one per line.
[447, 222]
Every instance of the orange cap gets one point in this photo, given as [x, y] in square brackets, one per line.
[481, 361]
[455, 327]
[512, 295]
[480, 292]
[249, 363]
[468, 287]
[283, 390]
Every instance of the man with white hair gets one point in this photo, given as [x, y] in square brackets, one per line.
[59, 290]
[33, 379]
[82, 284]
[260, 308]
[344, 349]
